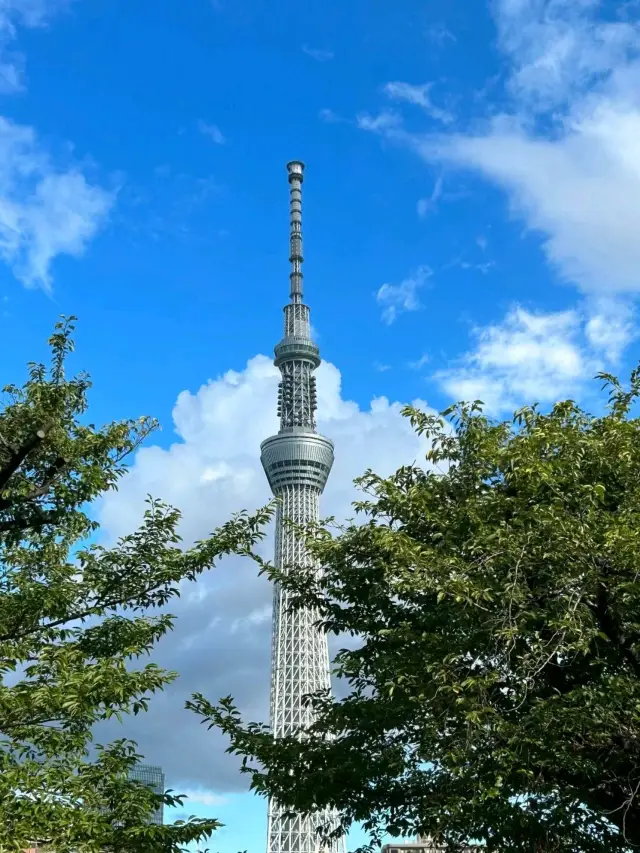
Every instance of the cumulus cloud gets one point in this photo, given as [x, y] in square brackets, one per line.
[221, 644]
[45, 211]
[534, 356]
[396, 299]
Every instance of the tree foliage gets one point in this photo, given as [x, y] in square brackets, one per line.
[495, 695]
[74, 618]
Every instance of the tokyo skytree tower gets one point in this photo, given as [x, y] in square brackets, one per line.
[297, 462]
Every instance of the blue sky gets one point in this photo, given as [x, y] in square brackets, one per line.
[471, 212]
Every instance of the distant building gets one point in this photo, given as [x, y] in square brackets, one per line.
[153, 777]
[420, 845]
[148, 774]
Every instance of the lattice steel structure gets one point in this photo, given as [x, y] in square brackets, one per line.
[297, 462]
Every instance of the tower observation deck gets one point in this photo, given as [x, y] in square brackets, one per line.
[297, 462]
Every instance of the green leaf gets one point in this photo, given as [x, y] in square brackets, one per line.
[75, 619]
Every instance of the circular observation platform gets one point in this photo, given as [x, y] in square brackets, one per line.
[293, 347]
[297, 458]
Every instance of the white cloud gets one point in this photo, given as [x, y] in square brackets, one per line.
[221, 644]
[419, 96]
[385, 122]
[611, 327]
[580, 192]
[419, 363]
[318, 54]
[397, 299]
[580, 186]
[203, 798]
[561, 48]
[541, 357]
[329, 116]
[567, 150]
[440, 34]
[429, 203]
[460, 262]
[44, 211]
[26, 13]
[212, 131]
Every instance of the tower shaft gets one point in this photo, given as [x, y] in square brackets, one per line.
[300, 657]
[297, 461]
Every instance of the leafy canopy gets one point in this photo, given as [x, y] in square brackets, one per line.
[74, 617]
[495, 693]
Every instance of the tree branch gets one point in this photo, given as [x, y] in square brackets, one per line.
[609, 627]
[37, 492]
[79, 616]
[36, 520]
[19, 454]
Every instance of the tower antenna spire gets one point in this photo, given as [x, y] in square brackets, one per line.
[296, 176]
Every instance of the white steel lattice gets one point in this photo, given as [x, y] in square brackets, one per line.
[297, 394]
[300, 664]
[300, 655]
[297, 462]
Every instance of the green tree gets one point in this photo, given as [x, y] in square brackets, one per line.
[74, 617]
[495, 695]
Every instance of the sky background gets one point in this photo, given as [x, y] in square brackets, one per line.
[471, 221]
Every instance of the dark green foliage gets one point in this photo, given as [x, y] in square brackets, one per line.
[496, 694]
[74, 619]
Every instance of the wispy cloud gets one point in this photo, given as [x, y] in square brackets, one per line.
[21, 13]
[440, 34]
[396, 299]
[385, 122]
[212, 132]
[318, 54]
[461, 262]
[330, 117]
[425, 205]
[419, 363]
[574, 176]
[419, 96]
[561, 49]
